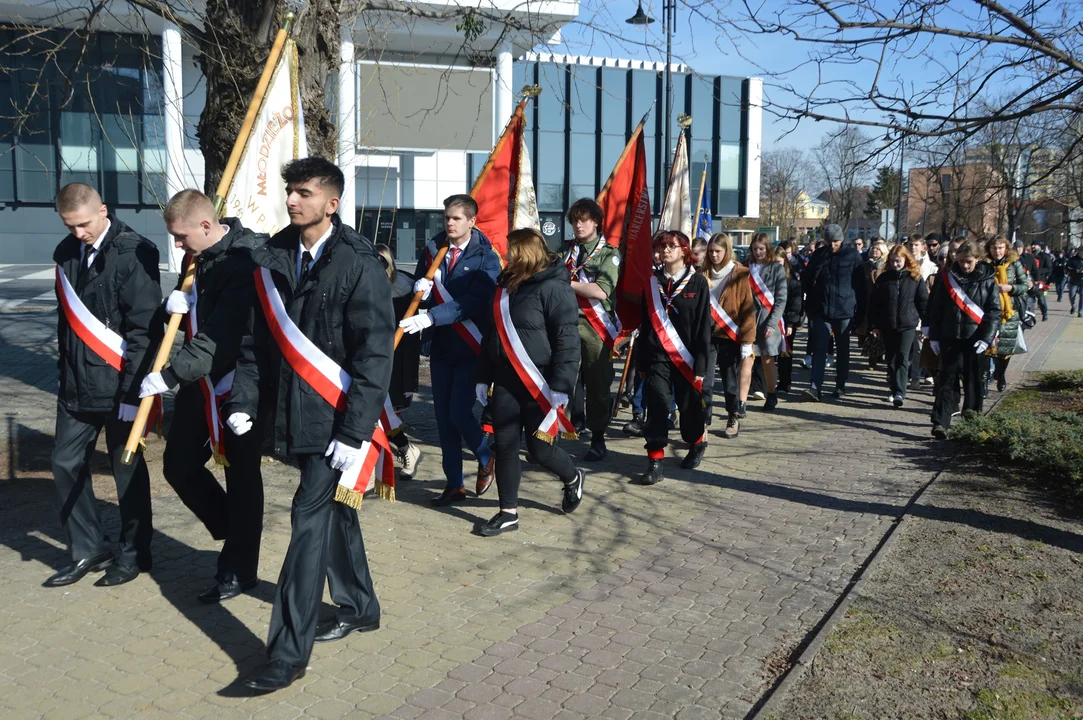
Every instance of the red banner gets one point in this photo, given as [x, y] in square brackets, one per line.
[626, 203]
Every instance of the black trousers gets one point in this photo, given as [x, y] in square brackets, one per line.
[233, 513]
[957, 357]
[915, 359]
[515, 412]
[325, 543]
[897, 348]
[759, 380]
[661, 376]
[724, 358]
[76, 436]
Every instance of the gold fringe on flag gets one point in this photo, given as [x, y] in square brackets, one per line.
[348, 497]
[544, 436]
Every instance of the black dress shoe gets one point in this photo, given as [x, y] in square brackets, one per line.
[634, 427]
[225, 587]
[450, 496]
[597, 450]
[275, 675]
[75, 572]
[654, 474]
[695, 455]
[336, 629]
[117, 575]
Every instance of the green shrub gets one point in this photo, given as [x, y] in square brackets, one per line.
[1051, 442]
[1060, 380]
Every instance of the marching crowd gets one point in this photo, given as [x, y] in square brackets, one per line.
[306, 342]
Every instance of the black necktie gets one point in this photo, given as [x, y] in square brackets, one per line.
[306, 263]
[87, 261]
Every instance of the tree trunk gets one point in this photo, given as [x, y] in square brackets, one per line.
[233, 53]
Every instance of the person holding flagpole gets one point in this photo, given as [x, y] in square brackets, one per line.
[767, 280]
[529, 363]
[107, 285]
[317, 370]
[458, 303]
[673, 351]
[594, 265]
[734, 314]
[218, 311]
[963, 319]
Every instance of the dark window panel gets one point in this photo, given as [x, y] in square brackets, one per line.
[583, 99]
[730, 101]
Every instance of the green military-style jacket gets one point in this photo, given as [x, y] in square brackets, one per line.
[595, 262]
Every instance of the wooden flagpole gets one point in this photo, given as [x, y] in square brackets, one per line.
[442, 251]
[699, 204]
[135, 437]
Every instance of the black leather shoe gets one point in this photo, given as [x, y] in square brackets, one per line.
[450, 496]
[597, 450]
[225, 587]
[117, 575]
[275, 675]
[336, 629]
[695, 455]
[654, 474]
[634, 427]
[772, 402]
[75, 572]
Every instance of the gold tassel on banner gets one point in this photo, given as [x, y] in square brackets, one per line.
[348, 497]
[570, 435]
[220, 459]
[544, 437]
[385, 492]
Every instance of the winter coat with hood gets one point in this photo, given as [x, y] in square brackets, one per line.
[344, 307]
[898, 301]
[121, 288]
[948, 323]
[225, 300]
[471, 284]
[545, 313]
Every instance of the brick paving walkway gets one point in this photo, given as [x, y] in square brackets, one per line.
[670, 601]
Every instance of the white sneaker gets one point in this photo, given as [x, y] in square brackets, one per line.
[928, 381]
[409, 458]
[758, 395]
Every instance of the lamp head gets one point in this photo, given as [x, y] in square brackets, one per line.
[640, 18]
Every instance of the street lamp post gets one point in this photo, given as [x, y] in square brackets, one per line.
[669, 18]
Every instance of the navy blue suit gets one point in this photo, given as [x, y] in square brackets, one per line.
[452, 359]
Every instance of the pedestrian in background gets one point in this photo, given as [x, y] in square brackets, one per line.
[898, 304]
[1012, 282]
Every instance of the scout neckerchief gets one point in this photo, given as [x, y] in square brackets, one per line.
[97, 336]
[718, 313]
[608, 329]
[667, 334]
[555, 420]
[332, 383]
[466, 329]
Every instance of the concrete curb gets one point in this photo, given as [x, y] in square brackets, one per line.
[772, 700]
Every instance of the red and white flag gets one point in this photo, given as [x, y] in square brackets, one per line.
[961, 299]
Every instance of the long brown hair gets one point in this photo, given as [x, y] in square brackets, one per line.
[1010, 255]
[766, 240]
[527, 256]
[911, 266]
[726, 242]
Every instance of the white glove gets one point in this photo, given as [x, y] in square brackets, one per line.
[423, 286]
[560, 399]
[178, 303]
[416, 323]
[153, 384]
[935, 345]
[239, 423]
[746, 350]
[481, 392]
[980, 347]
[342, 455]
[127, 412]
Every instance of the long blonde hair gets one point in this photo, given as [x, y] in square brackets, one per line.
[527, 256]
[388, 261]
[726, 242]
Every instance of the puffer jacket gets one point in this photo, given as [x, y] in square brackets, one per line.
[948, 323]
[122, 289]
[794, 314]
[226, 298]
[1009, 329]
[344, 307]
[836, 285]
[544, 312]
[898, 301]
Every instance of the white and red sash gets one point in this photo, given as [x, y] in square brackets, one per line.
[213, 395]
[555, 420]
[607, 328]
[466, 329]
[718, 313]
[763, 293]
[961, 299]
[332, 383]
[667, 334]
[105, 343]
